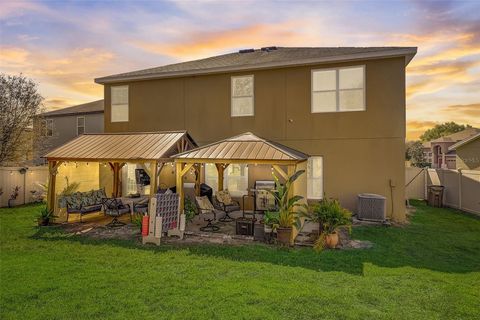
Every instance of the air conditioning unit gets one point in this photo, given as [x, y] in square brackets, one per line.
[371, 207]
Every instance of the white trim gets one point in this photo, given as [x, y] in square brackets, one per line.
[232, 97]
[322, 178]
[84, 124]
[45, 124]
[128, 103]
[337, 90]
[408, 53]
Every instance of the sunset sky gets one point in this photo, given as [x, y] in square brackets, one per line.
[65, 45]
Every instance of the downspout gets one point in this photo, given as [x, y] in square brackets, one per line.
[392, 186]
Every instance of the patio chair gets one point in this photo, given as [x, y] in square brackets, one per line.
[223, 201]
[206, 208]
[141, 206]
[114, 207]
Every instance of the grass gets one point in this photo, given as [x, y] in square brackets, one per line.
[429, 269]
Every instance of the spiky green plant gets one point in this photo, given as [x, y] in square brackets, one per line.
[70, 188]
[287, 216]
[330, 216]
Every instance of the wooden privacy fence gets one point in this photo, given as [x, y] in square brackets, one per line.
[462, 187]
[28, 179]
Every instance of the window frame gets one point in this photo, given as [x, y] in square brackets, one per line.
[337, 88]
[84, 124]
[233, 97]
[111, 103]
[45, 128]
[322, 178]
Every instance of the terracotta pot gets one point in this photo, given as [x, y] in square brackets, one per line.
[284, 235]
[43, 222]
[331, 240]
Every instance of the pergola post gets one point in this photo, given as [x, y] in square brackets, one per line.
[181, 170]
[153, 178]
[291, 171]
[116, 167]
[52, 172]
[220, 170]
[197, 179]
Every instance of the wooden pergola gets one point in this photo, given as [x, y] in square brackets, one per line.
[117, 149]
[246, 148]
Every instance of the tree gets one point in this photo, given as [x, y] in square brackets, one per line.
[414, 153]
[20, 103]
[443, 129]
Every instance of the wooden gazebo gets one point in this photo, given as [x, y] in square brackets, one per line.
[153, 149]
[245, 148]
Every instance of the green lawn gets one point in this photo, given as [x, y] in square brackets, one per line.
[427, 270]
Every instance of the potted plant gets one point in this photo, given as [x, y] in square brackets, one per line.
[190, 210]
[330, 216]
[13, 196]
[270, 224]
[45, 217]
[287, 216]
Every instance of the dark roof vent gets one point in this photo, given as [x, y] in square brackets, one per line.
[246, 50]
[268, 49]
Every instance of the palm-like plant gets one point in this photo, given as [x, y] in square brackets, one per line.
[286, 214]
[330, 216]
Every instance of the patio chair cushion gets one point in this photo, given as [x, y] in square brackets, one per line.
[232, 208]
[204, 204]
[224, 197]
[73, 202]
[92, 208]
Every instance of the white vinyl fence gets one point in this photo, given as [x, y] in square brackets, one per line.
[462, 187]
[28, 180]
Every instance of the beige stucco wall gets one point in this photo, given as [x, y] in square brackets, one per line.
[468, 156]
[363, 151]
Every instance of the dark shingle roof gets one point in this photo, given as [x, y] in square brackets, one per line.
[90, 107]
[259, 59]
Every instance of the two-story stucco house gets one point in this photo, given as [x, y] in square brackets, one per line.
[345, 107]
[62, 125]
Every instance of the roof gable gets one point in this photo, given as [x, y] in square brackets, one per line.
[457, 136]
[465, 141]
[246, 146]
[121, 146]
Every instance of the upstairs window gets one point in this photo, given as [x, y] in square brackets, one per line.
[47, 128]
[119, 97]
[337, 90]
[242, 96]
[315, 178]
[80, 125]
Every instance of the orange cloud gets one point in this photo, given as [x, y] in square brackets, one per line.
[415, 128]
[59, 103]
[197, 44]
[74, 71]
[12, 57]
[467, 113]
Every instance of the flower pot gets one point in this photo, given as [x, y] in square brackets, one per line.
[331, 240]
[43, 222]
[259, 232]
[284, 235]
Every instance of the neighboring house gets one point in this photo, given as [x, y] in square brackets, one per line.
[439, 153]
[427, 152]
[62, 125]
[467, 153]
[343, 106]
